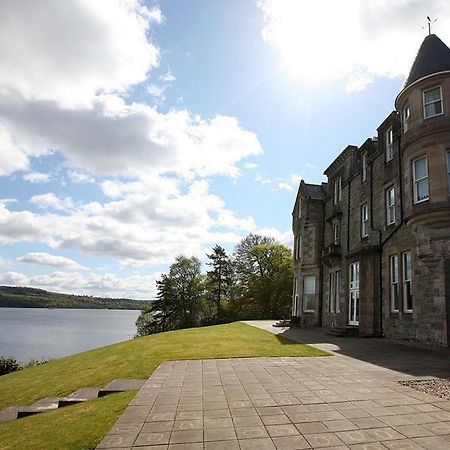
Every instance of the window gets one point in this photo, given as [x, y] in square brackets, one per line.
[394, 283]
[389, 144]
[336, 232]
[297, 246]
[448, 171]
[309, 293]
[364, 220]
[390, 206]
[420, 179]
[337, 190]
[364, 167]
[295, 311]
[432, 102]
[406, 118]
[407, 283]
[300, 207]
[335, 287]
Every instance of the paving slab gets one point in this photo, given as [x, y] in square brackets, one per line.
[350, 400]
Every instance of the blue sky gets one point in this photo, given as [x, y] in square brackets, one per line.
[131, 131]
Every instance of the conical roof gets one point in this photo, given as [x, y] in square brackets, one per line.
[433, 57]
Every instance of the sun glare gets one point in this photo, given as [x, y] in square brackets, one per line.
[316, 39]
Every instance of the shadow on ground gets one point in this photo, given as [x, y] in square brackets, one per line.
[381, 352]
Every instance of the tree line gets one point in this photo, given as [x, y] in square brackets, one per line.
[255, 282]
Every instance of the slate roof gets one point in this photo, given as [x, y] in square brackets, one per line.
[433, 57]
[316, 191]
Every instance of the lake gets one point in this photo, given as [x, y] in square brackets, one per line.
[39, 333]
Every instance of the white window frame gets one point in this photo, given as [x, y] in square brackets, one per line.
[394, 283]
[406, 117]
[389, 137]
[407, 280]
[390, 206]
[434, 101]
[335, 291]
[417, 180]
[337, 194]
[364, 167]
[364, 220]
[336, 232]
[295, 305]
[305, 299]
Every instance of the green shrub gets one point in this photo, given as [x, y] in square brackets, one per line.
[8, 365]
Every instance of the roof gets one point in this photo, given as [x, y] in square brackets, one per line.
[433, 57]
[340, 159]
[316, 191]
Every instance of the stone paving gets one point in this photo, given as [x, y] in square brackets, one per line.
[335, 402]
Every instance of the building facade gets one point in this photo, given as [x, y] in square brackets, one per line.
[372, 245]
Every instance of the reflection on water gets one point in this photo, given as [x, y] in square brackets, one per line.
[39, 333]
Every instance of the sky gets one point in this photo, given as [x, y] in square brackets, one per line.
[134, 131]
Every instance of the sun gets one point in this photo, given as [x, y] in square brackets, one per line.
[317, 39]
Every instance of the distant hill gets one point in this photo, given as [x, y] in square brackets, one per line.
[25, 297]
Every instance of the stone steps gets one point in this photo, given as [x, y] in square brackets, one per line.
[343, 331]
[79, 396]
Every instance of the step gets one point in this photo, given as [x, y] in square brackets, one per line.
[121, 386]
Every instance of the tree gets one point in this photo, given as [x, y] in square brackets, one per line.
[264, 270]
[219, 280]
[178, 299]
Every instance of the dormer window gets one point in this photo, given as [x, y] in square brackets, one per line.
[432, 102]
[389, 144]
[364, 166]
[337, 190]
[406, 114]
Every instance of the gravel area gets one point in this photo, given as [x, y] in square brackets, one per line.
[435, 386]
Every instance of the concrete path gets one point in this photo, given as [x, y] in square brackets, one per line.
[336, 402]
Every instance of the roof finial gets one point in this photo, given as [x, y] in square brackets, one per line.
[430, 22]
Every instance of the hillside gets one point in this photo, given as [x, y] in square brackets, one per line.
[25, 297]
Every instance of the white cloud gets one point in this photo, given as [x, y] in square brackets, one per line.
[5, 264]
[168, 77]
[50, 200]
[355, 40]
[146, 224]
[281, 184]
[69, 51]
[106, 285]
[311, 166]
[80, 177]
[47, 259]
[13, 279]
[249, 165]
[37, 177]
[116, 138]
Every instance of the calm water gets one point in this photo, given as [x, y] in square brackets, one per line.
[27, 333]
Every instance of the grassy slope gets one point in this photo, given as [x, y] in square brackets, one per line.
[136, 358]
[77, 427]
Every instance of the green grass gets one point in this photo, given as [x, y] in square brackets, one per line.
[136, 358]
[78, 427]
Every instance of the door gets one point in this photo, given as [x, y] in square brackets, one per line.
[353, 303]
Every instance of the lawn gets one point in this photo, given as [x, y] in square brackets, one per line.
[136, 358]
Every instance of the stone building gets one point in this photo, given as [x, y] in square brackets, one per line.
[372, 245]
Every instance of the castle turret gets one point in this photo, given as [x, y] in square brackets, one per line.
[424, 107]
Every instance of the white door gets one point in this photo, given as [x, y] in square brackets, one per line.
[353, 304]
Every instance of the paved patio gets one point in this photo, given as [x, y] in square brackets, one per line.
[343, 401]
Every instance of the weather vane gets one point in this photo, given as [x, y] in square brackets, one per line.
[430, 22]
